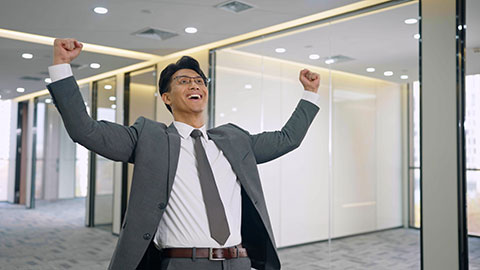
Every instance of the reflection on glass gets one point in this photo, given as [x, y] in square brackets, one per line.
[104, 168]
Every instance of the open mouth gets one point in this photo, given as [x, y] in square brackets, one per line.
[194, 96]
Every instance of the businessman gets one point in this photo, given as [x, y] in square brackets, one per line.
[196, 199]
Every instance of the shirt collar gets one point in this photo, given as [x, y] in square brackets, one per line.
[185, 130]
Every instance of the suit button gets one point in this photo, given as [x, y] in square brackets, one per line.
[162, 205]
[147, 236]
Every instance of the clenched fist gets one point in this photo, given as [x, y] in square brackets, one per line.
[65, 50]
[310, 80]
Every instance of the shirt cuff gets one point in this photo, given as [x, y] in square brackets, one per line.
[59, 72]
[311, 97]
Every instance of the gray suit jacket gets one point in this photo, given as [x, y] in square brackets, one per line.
[154, 149]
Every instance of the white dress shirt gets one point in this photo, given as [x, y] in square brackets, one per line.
[185, 222]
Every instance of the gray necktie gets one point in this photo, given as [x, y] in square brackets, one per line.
[217, 221]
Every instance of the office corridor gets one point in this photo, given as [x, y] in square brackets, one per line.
[53, 236]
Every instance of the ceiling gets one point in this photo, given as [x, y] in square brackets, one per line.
[381, 40]
[60, 18]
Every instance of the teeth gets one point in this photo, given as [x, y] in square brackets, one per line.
[195, 96]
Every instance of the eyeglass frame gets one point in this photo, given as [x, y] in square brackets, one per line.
[205, 82]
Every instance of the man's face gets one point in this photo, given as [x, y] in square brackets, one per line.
[188, 93]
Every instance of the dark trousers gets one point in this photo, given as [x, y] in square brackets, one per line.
[153, 260]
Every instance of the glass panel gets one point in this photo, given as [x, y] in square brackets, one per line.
[5, 114]
[104, 168]
[81, 156]
[472, 128]
[142, 101]
[257, 88]
[55, 155]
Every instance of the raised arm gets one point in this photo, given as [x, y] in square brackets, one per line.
[111, 140]
[270, 145]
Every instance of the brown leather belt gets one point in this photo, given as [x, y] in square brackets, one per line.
[213, 254]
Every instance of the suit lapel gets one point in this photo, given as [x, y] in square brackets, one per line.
[173, 155]
[233, 157]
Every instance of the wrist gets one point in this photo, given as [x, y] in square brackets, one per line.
[60, 60]
[311, 90]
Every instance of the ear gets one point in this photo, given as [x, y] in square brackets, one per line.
[166, 98]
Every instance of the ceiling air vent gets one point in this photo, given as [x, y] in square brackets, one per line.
[153, 33]
[234, 6]
[30, 78]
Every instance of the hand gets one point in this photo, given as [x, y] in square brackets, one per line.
[65, 50]
[310, 80]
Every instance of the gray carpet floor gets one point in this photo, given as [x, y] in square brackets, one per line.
[53, 236]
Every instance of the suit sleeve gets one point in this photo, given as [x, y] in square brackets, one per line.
[111, 140]
[270, 145]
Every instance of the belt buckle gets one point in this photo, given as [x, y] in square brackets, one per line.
[210, 256]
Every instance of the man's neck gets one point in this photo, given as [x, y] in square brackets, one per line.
[196, 121]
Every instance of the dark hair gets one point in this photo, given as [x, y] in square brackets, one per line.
[186, 62]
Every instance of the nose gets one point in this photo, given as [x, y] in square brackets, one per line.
[193, 85]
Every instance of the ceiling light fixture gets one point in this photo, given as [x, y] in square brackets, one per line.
[48, 100]
[191, 30]
[329, 61]
[107, 86]
[280, 50]
[411, 21]
[95, 65]
[112, 98]
[234, 109]
[20, 89]
[370, 69]
[100, 10]
[48, 80]
[388, 73]
[114, 106]
[314, 56]
[27, 55]
[248, 86]
[416, 36]
[404, 77]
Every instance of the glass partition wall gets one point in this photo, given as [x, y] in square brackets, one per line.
[102, 173]
[345, 188]
[472, 128]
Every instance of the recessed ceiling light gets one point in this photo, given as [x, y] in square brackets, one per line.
[27, 55]
[20, 89]
[248, 86]
[107, 86]
[370, 69]
[411, 21]
[95, 65]
[404, 77]
[48, 100]
[191, 30]
[222, 115]
[114, 106]
[329, 61]
[416, 36]
[48, 80]
[234, 109]
[314, 56]
[280, 50]
[112, 98]
[100, 10]
[388, 73]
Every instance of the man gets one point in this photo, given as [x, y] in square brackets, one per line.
[196, 200]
